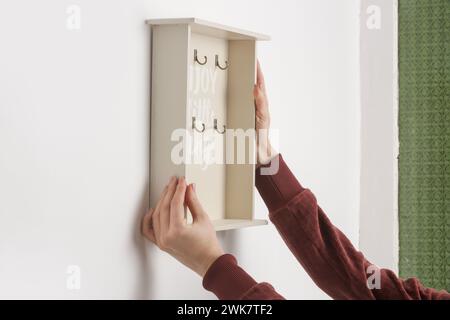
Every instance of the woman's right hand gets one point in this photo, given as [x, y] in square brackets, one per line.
[265, 152]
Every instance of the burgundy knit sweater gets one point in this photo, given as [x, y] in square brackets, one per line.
[324, 252]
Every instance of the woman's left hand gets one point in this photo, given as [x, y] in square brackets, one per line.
[195, 245]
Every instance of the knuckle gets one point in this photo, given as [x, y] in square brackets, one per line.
[165, 205]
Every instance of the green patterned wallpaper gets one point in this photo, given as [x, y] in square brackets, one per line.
[424, 121]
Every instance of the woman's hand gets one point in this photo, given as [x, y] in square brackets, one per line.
[265, 152]
[195, 245]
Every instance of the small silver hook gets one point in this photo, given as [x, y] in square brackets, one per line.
[218, 64]
[205, 58]
[194, 127]
[216, 127]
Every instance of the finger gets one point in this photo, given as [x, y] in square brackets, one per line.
[194, 204]
[165, 205]
[256, 92]
[146, 227]
[259, 96]
[261, 107]
[155, 218]
[260, 82]
[177, 204]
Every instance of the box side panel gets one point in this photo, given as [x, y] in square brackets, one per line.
[169, 104]
[241, 117]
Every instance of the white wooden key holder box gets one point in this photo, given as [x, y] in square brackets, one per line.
[203, 116]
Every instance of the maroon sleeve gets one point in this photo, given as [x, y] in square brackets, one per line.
[325, 252]
[230, 282]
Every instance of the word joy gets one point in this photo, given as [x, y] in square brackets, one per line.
[202, 80]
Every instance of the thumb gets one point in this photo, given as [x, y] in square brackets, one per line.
[194, 204]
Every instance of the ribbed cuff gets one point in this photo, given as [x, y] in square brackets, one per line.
[279, 188]
[227, 280]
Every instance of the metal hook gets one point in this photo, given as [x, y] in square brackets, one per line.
[218, 64]
[194, 127]
[216, 127]
[198, 61]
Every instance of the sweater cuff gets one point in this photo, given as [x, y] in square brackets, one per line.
[278, 188]
[226, 279]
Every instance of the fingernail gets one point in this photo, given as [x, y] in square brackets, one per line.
[193, 187]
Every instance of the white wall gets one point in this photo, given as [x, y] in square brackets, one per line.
[74, 133]
[378, 237]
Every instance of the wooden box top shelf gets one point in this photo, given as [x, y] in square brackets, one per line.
[212, 29]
